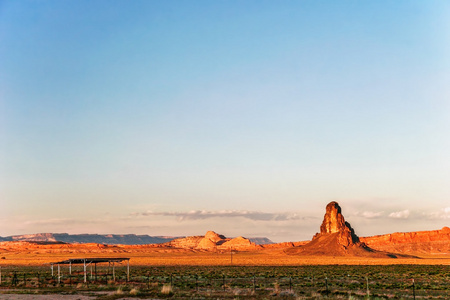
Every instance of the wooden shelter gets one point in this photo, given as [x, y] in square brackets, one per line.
[92, 261]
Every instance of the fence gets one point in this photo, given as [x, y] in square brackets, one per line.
[292, 286]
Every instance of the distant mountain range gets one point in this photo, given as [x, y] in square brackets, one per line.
[109, 239]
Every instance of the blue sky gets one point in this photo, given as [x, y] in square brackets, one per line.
[243, 117]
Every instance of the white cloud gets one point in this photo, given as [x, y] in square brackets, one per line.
[371, 214]
[204, 214]
[443, 214]
[404, 214]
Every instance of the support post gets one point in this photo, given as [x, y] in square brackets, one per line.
[367, 286]
[84, 267]
[0, 275]
[128, 270]
[59, 274]
[114, 273]
[95, 270]
[52, 269]
[70, 268]
[414, 290]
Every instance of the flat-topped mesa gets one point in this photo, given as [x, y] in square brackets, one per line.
[334, 222]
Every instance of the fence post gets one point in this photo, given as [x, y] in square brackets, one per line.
[148, 281]
[414, 290]
[196, 282]
[223, 282]
[326, 285]
[14, 281]
[114, 273]
[254, 283]
[367, 286]
[290, 284]
[84, 269]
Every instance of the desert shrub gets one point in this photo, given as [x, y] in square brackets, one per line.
[134, 291]
[167, 289]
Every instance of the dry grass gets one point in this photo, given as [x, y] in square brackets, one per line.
[173, 257]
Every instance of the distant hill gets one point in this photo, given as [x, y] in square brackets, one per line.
[261, 241]
[108, 239]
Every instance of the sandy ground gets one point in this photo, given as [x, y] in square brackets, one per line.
[55, 297]
[44, 297]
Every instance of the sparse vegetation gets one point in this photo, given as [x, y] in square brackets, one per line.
[249, 282]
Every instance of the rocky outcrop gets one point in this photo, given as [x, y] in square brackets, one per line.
[212, 241]
[190, 242]
[239, 243]
[337, 238]
[419, 242]
[334, 222]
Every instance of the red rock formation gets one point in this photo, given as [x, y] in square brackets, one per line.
[430, 242]
[239, 243]
[211, 241]
[334, 222]
[336, 238]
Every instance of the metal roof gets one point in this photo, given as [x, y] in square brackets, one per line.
[91, 260]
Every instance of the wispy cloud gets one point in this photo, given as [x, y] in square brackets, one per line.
[370, 214]
[404, 214]
[205, 214]
[441, 214]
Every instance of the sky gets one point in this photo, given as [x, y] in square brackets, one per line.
[242, 117]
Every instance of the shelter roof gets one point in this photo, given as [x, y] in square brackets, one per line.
[91, 260]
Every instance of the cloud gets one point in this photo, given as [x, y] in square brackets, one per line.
[52, 222]
[404, 214]
[443, 214]
[204, 214]
[370, 214]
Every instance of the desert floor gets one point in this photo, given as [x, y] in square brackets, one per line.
[173, 257]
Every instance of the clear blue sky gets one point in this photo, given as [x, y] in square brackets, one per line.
[243, 117]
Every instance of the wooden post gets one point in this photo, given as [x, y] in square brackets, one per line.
[414, 290]
[0, 275]
[367, 286]
[128, 270]
[84, 267]
[70, 268]
[52, 269]
[114, 273]
[95, 269]
[59, 274]
[91, 270]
